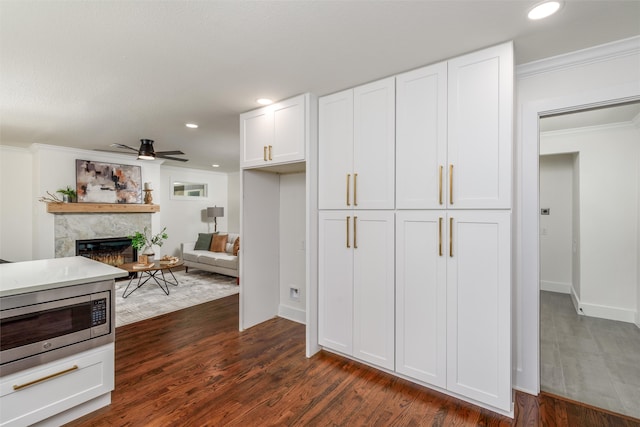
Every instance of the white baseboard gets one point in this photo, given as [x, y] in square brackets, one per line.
[603, 311]
[294, 314]
[560, 287]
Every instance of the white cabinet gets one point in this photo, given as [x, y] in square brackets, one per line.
[479, 306]
[274, 134]
[356, 295]
[454, 133]
[421, 298]
[356, 148]
[453, 302]
[50, 390]
[421, 138]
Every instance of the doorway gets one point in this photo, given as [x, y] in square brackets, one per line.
[589, 243]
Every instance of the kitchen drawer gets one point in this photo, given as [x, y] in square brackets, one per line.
[56, 386]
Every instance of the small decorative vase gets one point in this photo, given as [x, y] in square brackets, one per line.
[148, 253]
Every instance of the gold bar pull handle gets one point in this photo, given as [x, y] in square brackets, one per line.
[355, 232]
[451, 184]
[440, 186]
[348, 182]
[451, 237]
[264, 153]
[270, 149]
[48, 377]
[440, 236]
[348, 218]
[355, 193]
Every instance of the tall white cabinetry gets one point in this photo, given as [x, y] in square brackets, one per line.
[452, 264]
[356, 157]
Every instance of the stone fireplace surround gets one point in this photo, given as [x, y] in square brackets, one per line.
[71, 227]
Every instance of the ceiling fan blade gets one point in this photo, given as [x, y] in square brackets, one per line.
[171, 158]
[163, 153]
[124, 146]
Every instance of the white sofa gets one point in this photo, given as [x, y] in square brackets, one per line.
[217, 262]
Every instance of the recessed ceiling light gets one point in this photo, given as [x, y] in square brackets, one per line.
[216, 166]
[264, 101]
[192, 125]
[542, 10]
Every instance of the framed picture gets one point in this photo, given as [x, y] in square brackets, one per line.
[99, 182]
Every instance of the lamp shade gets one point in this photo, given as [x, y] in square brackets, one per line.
[215, 212]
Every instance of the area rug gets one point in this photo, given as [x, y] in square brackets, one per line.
[195, 287]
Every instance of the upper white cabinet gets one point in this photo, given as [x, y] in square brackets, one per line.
[274, 134]
[421, 138]
[454, 133]
[480, 129]
[356, 136]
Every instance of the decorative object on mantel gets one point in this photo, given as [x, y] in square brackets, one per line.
[99, 182]
[69, 195]
[215, 212]
[143, 242]
[148, 199]
[50, 198]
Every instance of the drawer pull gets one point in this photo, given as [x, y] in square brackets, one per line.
[264, 153]
[48, 377]
[270, 148]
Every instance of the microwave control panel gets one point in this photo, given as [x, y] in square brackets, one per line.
[99, 312]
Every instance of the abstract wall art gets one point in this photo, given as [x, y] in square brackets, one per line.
[98, 182]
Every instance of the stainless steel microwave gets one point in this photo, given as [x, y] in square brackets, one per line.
[38, 327]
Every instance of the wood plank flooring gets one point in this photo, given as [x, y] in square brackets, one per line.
[194, 368]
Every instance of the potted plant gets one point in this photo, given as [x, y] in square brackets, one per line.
[68, 194]
[143, 242]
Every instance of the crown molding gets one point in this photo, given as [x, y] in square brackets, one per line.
[579, 58]
[589, 129]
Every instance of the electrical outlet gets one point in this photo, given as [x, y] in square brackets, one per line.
[294, 293]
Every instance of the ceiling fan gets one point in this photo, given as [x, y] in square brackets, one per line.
[146, 151]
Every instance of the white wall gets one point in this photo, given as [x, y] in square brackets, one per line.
[186, 217]
[292, 245]
[575, 246]
[556, 188]
[233, 201]
[608, 215]
[17, 202]
[27, 230]
[592, 77]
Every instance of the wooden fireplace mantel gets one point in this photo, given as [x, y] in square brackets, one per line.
[62, 208]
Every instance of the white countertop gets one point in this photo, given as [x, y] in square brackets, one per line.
[30, 276]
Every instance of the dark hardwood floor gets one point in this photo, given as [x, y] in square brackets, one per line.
[194, 368]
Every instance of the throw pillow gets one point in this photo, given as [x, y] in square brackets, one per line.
[204, 241]
[236, 246]
[219, 242]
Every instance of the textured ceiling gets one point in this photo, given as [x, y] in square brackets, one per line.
[88, 74]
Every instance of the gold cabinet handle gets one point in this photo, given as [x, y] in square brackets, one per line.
[355, 192]
[440, 186]
[348, 182]
[48, 377]
[450, 184]
[440, 236]
[348, 231]
[270, 148]
[264, 153]
[451, 237]
[355, 232]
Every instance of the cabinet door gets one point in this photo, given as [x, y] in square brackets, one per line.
[479, 307]
[374, 145]
[421, 296]
[335, 280]
[256, 135]
[289, 131]
[421, 138]
[335, 150]
[480, 128]
[373, 287]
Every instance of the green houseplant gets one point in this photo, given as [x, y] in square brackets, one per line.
[68, 194]
[144, 241]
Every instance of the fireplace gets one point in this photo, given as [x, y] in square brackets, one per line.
[113, 251]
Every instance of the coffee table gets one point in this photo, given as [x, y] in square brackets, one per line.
[153, 271]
